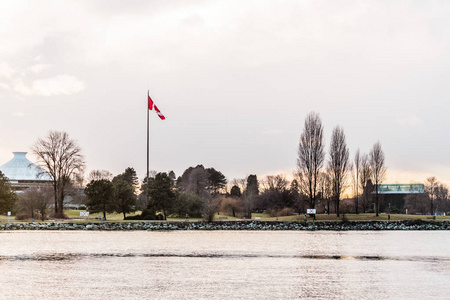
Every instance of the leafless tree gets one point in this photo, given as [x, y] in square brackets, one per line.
[277, 183]
[231, 205]
[357, 167]
[99, 175]
[35, 199]
[378, 170]
[311, 156]
[195, 181]
[365, 174]
[431, 185]
[338, 164]
[441, 197]
[417, 203]
[326, 189]
[239, 182]
[62, 159]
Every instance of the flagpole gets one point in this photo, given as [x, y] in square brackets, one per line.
[148, 141]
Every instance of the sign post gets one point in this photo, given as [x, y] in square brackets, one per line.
[311, 211]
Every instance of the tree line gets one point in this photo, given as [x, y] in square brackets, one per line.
[319, 181]
[435, 199]
[318, 175]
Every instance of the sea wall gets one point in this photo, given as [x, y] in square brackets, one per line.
[233, 225]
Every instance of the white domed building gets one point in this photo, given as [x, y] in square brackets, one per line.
[23, 174]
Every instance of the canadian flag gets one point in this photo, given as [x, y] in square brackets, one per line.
[150, 107]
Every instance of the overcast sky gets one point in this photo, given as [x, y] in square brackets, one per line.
[235, 80]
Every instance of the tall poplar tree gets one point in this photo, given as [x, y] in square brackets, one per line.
[338, 164]
[378, 170]
[311, 156]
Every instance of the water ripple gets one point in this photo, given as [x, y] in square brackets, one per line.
[74, 256]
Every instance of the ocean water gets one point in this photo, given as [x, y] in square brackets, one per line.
[224, 265]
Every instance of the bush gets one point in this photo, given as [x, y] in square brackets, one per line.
[146, 214]
[23, 216]
[190, 204]
[231, 206]
[210, 209]
[287, 211]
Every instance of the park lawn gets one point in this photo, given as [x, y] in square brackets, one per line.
[5, 218]
[350, 217]
[96, 217]
[74, 216]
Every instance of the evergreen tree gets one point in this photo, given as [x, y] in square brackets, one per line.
[250, 194]
[100, 196]
[235, 192]
[125, 199]
[129, 176]
[217, 180]
[7, 197]
[162, 194]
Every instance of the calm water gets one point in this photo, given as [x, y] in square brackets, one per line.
[224, 265]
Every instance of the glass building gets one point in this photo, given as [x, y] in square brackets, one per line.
[22, 173]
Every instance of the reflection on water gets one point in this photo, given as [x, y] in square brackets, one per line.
[72, 256]
[223, 265]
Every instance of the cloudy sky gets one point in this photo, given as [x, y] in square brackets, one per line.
[235, 80]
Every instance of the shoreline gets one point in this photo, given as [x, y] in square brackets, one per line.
[233, 225]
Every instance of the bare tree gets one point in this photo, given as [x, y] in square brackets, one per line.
[326, 189]
[441, 197]
[431, 185]
[35, 199]
[417, 203]
[311, 156]
[62, 159]
[275, 183]
[241, 183]
[365, 174]
[99, 175]
[357, 166]
[338, 164]
[378, 170]
[195, 181]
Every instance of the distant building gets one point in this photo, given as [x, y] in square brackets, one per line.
[392, 196]
[23, 174]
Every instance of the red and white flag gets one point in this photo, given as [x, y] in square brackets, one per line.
[160, 115]
[150, 103]
[150, 107]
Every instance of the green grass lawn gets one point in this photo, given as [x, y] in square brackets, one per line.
[74, 216]
[350, 217]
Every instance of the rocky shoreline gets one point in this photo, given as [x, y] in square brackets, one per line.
[232, 225]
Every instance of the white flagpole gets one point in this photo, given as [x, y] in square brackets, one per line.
[148, 140]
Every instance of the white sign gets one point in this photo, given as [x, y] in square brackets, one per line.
[9, 213]
[84, 214]
[311, 211]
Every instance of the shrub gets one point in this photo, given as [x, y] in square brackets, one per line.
[23, 216]
[231, 206]
[210, 209]
[287, 211]
[146, 214]
[190, 204]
